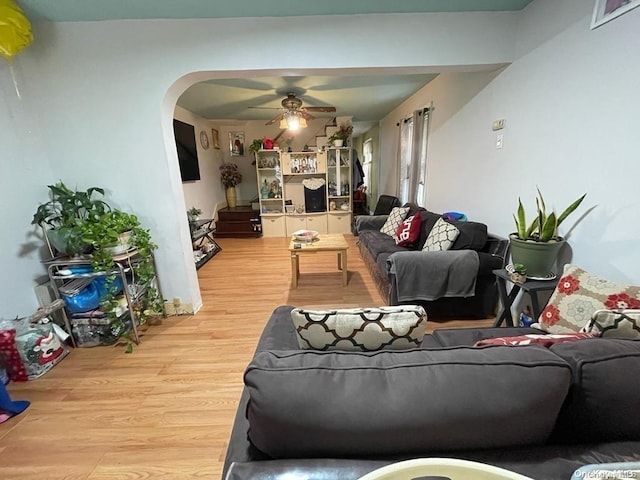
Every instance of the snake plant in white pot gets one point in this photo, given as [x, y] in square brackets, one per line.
[536, 246]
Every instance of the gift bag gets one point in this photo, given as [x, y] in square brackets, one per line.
[30, 349]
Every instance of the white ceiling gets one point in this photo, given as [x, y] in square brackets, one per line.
[367, 98]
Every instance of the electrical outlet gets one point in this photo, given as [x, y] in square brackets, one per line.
[176, 302]
[499, 140]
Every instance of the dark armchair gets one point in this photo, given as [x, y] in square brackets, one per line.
[385, 204]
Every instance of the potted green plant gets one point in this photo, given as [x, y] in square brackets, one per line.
[192, 215]
[342, 135]
[115, 233]
[256, 145]
[111, 232]
[64, 213]
[518, 274]
[536, 245]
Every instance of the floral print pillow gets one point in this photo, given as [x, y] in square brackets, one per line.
[579, 295]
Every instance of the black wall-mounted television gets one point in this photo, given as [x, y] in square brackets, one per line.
[185, 136]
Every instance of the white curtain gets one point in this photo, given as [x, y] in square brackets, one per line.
[412, 156]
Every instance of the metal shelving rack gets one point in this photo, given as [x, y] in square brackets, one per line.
[60, 275]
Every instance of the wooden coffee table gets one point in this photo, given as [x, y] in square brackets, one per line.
[325, 242]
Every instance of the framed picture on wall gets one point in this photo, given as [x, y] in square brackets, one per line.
[215, 139]
[606, 10]
[236, 144]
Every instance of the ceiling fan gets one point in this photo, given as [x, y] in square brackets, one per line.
[294, 115]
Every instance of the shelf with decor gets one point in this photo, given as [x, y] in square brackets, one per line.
[269, 177]
[339, 179]
[203, 241]
[304, 201]
[270, 191]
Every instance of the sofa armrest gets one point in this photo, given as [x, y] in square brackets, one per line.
[498, 247]
[369, 222]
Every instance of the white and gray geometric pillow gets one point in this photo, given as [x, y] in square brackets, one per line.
[395, 218]
[360, 329]
[614, 323]
[441, 237]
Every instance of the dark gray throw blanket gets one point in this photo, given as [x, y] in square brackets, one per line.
[431, 275]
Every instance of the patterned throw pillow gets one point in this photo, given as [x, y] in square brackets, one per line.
[441, 237]
[409, 231]
[360, 329]
[395, 218]
[578, 296]
[614, 324]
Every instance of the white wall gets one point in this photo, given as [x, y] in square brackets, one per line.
[98, 100]
[572, 123]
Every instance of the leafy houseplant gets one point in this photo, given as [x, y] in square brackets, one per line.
[256, 145]
[544, 227]
[342, 134]
[63, 214]
[192, 215]
[537, 245]
[104, 233]
[92, 223]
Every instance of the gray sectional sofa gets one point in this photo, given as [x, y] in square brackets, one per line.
[377, 249]
[541, 412]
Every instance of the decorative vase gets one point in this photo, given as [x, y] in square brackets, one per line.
[232, 198]
[539, 258]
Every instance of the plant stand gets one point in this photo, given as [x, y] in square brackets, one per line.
[62, 271]
[202, 240]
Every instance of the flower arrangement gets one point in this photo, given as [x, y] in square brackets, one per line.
[343, 133]
[229, 175]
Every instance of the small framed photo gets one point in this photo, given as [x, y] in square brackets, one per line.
[236, 144]
[606, 10]
[215, 139]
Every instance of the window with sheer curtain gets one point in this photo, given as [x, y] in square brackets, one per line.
[412, 157]
[367, 153]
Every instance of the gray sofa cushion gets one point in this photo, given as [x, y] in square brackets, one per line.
[473, 235]
[602, 404]
[337, 404]
[377, 243]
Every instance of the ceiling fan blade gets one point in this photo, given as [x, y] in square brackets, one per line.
[305, 115]
[320, 109]
[275, 119]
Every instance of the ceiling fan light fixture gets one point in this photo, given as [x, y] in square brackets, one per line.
[283, 123]
[293, 121]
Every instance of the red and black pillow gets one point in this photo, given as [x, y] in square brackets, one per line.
[408, 231]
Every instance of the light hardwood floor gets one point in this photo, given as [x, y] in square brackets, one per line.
[165, 411]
